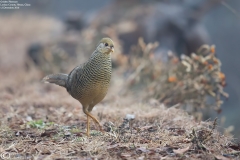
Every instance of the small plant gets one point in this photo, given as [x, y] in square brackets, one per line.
[40, 124]
[95, 133]
[196, 82]
[81, 139]
[75, 130]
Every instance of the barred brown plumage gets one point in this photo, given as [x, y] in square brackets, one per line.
[89, 82]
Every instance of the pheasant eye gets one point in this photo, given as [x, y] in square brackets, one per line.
[106, 44]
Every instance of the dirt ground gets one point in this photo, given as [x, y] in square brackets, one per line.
[41, 121]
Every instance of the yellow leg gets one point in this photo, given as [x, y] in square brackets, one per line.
[94, 119]
[88, 125]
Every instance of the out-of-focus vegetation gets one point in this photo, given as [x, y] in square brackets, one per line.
[150, 83]
[195, 81]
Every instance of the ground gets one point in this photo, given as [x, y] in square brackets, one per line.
[42, 121]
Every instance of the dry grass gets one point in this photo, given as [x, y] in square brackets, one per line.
[40, 121]
[156, 131]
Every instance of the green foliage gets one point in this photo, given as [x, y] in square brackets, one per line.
[40, 124]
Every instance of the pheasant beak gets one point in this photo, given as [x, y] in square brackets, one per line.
[112, 49]
[109, 48]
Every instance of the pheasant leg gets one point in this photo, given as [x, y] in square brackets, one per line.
[88, 125]
[94, 119]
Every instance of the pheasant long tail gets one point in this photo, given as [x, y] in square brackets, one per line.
[59, 79]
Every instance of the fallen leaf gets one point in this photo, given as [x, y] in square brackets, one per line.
[181, 151]
[142, 149]
[113, 146]
[125, 155]
[220, 157]
[146, 127]
[49, 132]
[235, 146]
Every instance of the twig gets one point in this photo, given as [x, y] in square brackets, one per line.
[231, 9]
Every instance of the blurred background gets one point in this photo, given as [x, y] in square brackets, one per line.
[54, 36]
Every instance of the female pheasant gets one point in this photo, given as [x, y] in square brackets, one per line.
[89, 82]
